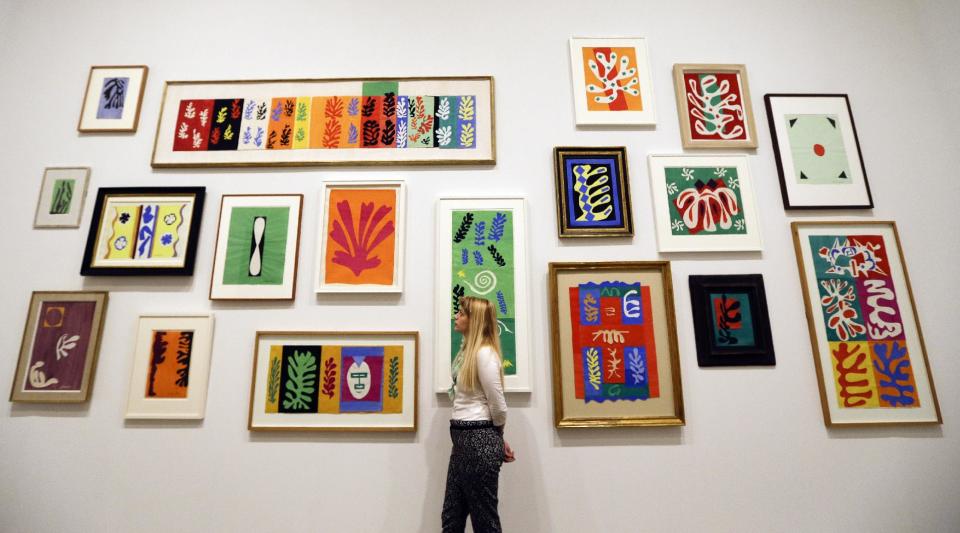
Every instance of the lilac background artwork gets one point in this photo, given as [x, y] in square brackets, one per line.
[113, 95]
[60, 344]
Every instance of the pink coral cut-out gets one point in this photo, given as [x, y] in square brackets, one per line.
[355, 253]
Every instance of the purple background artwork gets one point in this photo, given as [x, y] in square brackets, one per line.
[60, 344]
[113, 95]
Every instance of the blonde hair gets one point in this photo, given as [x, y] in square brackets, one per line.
[482, 330]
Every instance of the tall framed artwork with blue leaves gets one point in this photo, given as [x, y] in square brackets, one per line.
[593, 192]
[730, 320]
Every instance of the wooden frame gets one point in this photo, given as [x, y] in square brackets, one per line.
[642, 311]
[704, 203]
[171, 367]
[334, 411]
[826, 118]
[742, 334]
[340, 277]
[260, 280]
[745, 139]
[95, 118]
[65, 378]
[63, 207]
[628, 109]
[454, 128]
[864, 327]
[607, 190]
[468, 267]
[178, 207]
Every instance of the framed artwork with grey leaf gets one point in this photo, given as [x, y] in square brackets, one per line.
[111, 102]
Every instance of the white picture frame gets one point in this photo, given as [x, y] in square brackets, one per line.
[170, 402]
[685, 227]
[63, 191]
[585, 115]
[518, 380]
[260, 279]
[335, 276]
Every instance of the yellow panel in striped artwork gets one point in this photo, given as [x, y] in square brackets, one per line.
[329, 397]
[167, 233]
[393, 379]
[273, 379]
[123, 241]
[301, 124]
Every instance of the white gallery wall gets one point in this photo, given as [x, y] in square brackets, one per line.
[754, 455]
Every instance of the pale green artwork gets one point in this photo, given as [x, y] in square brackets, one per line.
[819, 156]
[256, 246]
[483, 266]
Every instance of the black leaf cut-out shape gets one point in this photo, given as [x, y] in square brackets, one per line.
[368, 106]
[458, 292]
[371, 133]
[288, 107]
[495, 254]
[389, 105]
[729, 316]
[389, 135]
[285, 135]
[272, 140]
[464, 228]
[262, 111]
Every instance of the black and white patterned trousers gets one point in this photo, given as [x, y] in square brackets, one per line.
[473, 477]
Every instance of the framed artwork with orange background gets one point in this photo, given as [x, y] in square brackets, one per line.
[171, 367]
[611, 81]
[361, 237]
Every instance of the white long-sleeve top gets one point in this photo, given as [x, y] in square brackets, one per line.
[486, 402]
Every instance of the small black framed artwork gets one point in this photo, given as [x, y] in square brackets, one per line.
[730, 320]
[144, 231]
[593, 192]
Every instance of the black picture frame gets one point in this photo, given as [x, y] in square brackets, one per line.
[190, 254]
[714, 352]
[771, 121]
[617, 187]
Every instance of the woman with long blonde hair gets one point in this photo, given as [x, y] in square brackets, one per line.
[476, 425]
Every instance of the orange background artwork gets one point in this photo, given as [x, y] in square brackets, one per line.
[165, 381]
[381, 274]
[627, 102]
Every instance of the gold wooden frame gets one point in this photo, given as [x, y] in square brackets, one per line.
[493, 126]
[136, 116]
[83, 198]
[564, 230]
[811, 313]
[661, 267]
[296, 249]
[683, 110]
[416, 381]
[101, 299]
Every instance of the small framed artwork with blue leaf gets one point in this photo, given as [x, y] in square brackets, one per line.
[111, 103]
[593, 192]
[730, 320]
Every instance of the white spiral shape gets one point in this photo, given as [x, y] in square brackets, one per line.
[485, 281]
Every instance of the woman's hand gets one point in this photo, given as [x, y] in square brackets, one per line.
[508, 456]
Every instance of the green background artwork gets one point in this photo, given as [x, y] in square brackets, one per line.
[741, 332]
[816, 144]
[477, 271]
[240, 238]
[680, 179]
[61, 196]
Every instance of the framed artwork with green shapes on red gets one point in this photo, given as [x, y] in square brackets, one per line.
[713, 102]
[731, 321]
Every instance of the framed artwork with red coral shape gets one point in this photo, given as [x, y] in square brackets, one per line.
[257, 246]
[867, 344]
[360, 245]
[704, 203]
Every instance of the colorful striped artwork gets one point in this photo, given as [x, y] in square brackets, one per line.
[378, 117]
